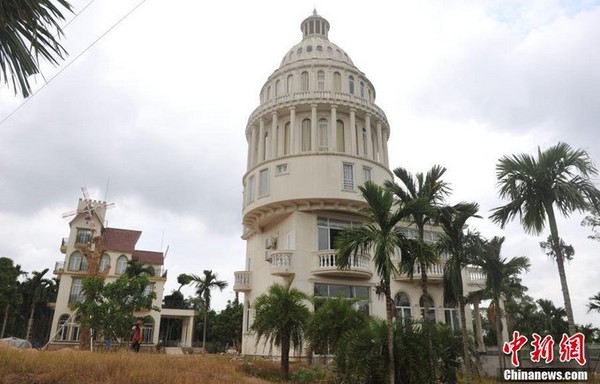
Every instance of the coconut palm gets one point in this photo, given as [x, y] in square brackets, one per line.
[204, 285]
[380, 237]
[281, 318]
[500, 274]
[559, 179]
[459, 247]
[26, 33]
[594, 304]
[553, 318]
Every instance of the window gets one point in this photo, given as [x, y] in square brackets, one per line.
[104, 262]
[266, 146]
[286, 139]
[121, 264]
[366, 174]
[304, 81]
[84, 264]
[365, 143]
[75, 328]
[451, 317]
[337, 82]
[348, 170]
[431, 304]
[281, 169]
[351, 85]
[263, 183]
[320, 48]
[362, 89]
[341, 139]
[328, 231]
[359, 294]
[84, 236]
[323, 135]
[402, 303]
[309, 48]
[290, 84]
[63, 328]
[277, 88]
[76, 295]
[250, 190]
[75, 261]
[269, 93]
[320, 80]
[306, 135]
[148, 330]
[148, 289]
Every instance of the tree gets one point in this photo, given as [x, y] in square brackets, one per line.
[27, 31]
[204, 285]
[594, 304]
[380, 237]
[183, 279]
[459, 246]
[559, 179]
[553, 319]
[280, 318]
[593, 221]
[428, 192]
[9, 288]
[35, 287]
[498, 272]
[227, 328]
[136, 268]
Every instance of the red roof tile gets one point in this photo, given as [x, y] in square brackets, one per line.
[120, 240]
[149, 257]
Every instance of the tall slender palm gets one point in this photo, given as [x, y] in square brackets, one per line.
[9, 288]
[26, 33]
[380, 237]
[594, 304]
[500, 275]
[281, 318]
[36, 288]
[559, 179]
[204, 285]
[459, 247]
[428, 191]
[553, 319]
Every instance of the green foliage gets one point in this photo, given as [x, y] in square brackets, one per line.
[27, 30]
[594, 304]
[204, 285]
[9, 289]
[307, 375]
[227, 326]
[108, 308]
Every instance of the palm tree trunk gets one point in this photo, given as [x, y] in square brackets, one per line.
[431, 369]
[285, 357]
[561, 267]
[389, 304]
[28, 334]
[6, 309]
[204, 329]
[465, 340]
[499, 332]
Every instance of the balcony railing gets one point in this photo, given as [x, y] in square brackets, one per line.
[281, 262]
[59, 267]
[476, 276]
[242, 281]
[327, 264]
[434, 272]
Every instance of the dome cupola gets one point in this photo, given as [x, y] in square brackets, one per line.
[315, 25]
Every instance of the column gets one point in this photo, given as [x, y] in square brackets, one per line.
[280, 140]
[379, 143]
[313, 128]
[369, 136]
[253, 154]
[294, 142]
[385, 148]
[333, 129]
[353, 131]
[361, 141]
[274, 136]
[478, 329]
[261, 140]
[249, 160]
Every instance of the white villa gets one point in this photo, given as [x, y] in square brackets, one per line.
[317, 135]
[120, 247]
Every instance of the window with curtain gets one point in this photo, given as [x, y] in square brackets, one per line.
[340, 134]
[306, 135]
[348, 184]
[323, 135]
[304, 81]
[402, 303]
[321, 80]
[75, 261]
[351, 84]
[337, 82]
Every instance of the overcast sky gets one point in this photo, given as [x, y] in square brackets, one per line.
[159, 105]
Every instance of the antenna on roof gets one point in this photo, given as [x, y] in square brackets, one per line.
[162, 238]
[166, 251]
[106, 192]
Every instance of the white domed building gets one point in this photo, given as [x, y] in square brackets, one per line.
[315, 137]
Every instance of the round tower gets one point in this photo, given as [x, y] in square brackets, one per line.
[315, 137]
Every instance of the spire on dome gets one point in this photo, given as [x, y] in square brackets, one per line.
[315, 25]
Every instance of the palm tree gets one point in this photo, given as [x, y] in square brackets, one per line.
[183, 279]
[281, 318]
[594, 304]
[136, 268]
[9, 288]
[204, 284]
[36, 288]
[26, 33]
[558, 179]
[378, 235]
[553, 319]
[428, 191]
[500, 275]
[459, 247]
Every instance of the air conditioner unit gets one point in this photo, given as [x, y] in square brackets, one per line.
[271, 243]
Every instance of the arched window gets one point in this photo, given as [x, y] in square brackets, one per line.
[362, 89]
[431, 304]
[75, 261]
[290, 84]
[75, 328]
[104, 262]
[306, 135]
[148, 330]
[63, 328]
[321, 81]
[337, 82]
[402, 303]
[266, 146]
[351, 84]
[341, 137]
[121, 264]
[286, 139]
[84, 264]
[304, 81]
[277, 88]
[309, 48]
[269, 92]
[76, 294]
[323, 135]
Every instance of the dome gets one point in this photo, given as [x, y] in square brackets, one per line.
[315, 43]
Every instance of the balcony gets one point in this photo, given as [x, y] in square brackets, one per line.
[59, 267]
[326, 265]
[435, 273]
[281, 263]
[242, 281]
[475, 277]
[63, 245]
